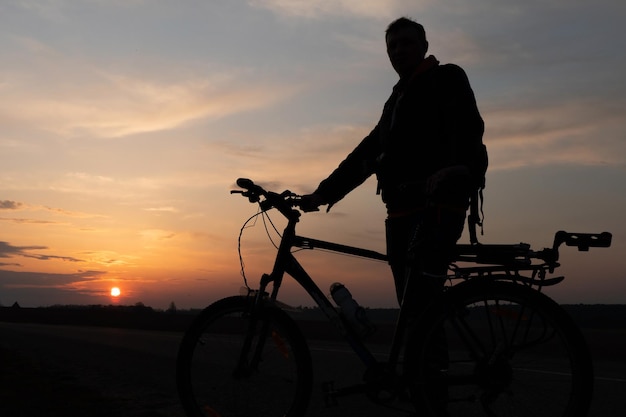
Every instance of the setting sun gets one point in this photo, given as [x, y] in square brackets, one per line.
[115, 292]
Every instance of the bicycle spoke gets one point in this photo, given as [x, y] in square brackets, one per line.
[228, 367]
[511, 353]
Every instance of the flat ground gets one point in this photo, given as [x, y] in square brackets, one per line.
[100, 372]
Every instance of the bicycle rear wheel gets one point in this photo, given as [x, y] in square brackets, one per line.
[499, 349]
[217, 378]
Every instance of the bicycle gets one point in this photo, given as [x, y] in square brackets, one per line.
[509, 350]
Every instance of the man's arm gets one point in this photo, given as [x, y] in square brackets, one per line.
[351, 172]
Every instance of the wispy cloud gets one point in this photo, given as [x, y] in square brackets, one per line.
[26, 221]
[108, 258]
[323, 8]
[9, 251]
[162, 209]
[312, 153]
[57, 10]
[105, 103]
[549, 133]
[156, 234]
[127, 107]
[10, 205]
[18, 279]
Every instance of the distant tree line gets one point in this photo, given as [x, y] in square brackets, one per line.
[139, 315]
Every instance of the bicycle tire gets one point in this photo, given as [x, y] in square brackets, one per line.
[505, 350]
[207, 381]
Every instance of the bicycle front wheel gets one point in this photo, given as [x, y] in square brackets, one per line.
[227, 368]
[499, 349]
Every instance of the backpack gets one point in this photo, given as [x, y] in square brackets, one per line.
[476, 160]
[478, 169]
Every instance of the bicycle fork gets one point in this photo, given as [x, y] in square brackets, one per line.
[248, 364]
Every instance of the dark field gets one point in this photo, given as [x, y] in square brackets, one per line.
[89, 365]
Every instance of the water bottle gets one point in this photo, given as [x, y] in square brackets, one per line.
[351, 310]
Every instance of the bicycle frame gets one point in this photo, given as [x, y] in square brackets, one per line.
[287, 263]
[509, 260]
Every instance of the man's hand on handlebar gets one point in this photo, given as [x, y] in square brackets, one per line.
[311, 202]
[284, 201]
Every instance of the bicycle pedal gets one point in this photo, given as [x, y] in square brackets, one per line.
[330, 394]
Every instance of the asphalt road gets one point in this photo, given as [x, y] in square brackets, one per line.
[131, 373]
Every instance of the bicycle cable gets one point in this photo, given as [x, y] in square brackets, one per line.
[241, 262]
[266, 218]
[265, 215]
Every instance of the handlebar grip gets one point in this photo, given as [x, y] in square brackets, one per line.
[583, 241]
[245, 183]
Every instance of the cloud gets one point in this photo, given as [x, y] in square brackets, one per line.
[76, 282]
[109, 258]
[41, 257]
[127, 189]
[315, 9]
[75, 98]
[125, 106]
[18, 279]
[66, 213]
[57, 10]
[14, 205]
[162, 209]
[156, 234]
[10, 205]
[137, 105]
[303, 156]
[586, 131]
[26, 221]
[8, 251]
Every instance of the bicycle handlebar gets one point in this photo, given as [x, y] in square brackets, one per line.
[286, 201]
[283, 202]
[583, 241]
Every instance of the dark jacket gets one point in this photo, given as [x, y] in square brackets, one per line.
[429, 122]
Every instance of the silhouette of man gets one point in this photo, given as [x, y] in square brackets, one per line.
[419, 151]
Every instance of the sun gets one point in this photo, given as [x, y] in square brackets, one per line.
[115, 292]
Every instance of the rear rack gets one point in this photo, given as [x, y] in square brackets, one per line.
[520, 254]
[510, 262]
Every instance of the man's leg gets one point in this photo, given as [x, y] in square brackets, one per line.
[399, 232]
[429, 255]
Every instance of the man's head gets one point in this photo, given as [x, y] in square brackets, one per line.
[406, 45]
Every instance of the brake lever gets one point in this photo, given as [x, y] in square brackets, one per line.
[252, 197]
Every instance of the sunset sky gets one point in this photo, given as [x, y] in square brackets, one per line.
[125, 123]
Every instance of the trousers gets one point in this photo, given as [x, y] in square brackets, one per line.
[419, 250]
